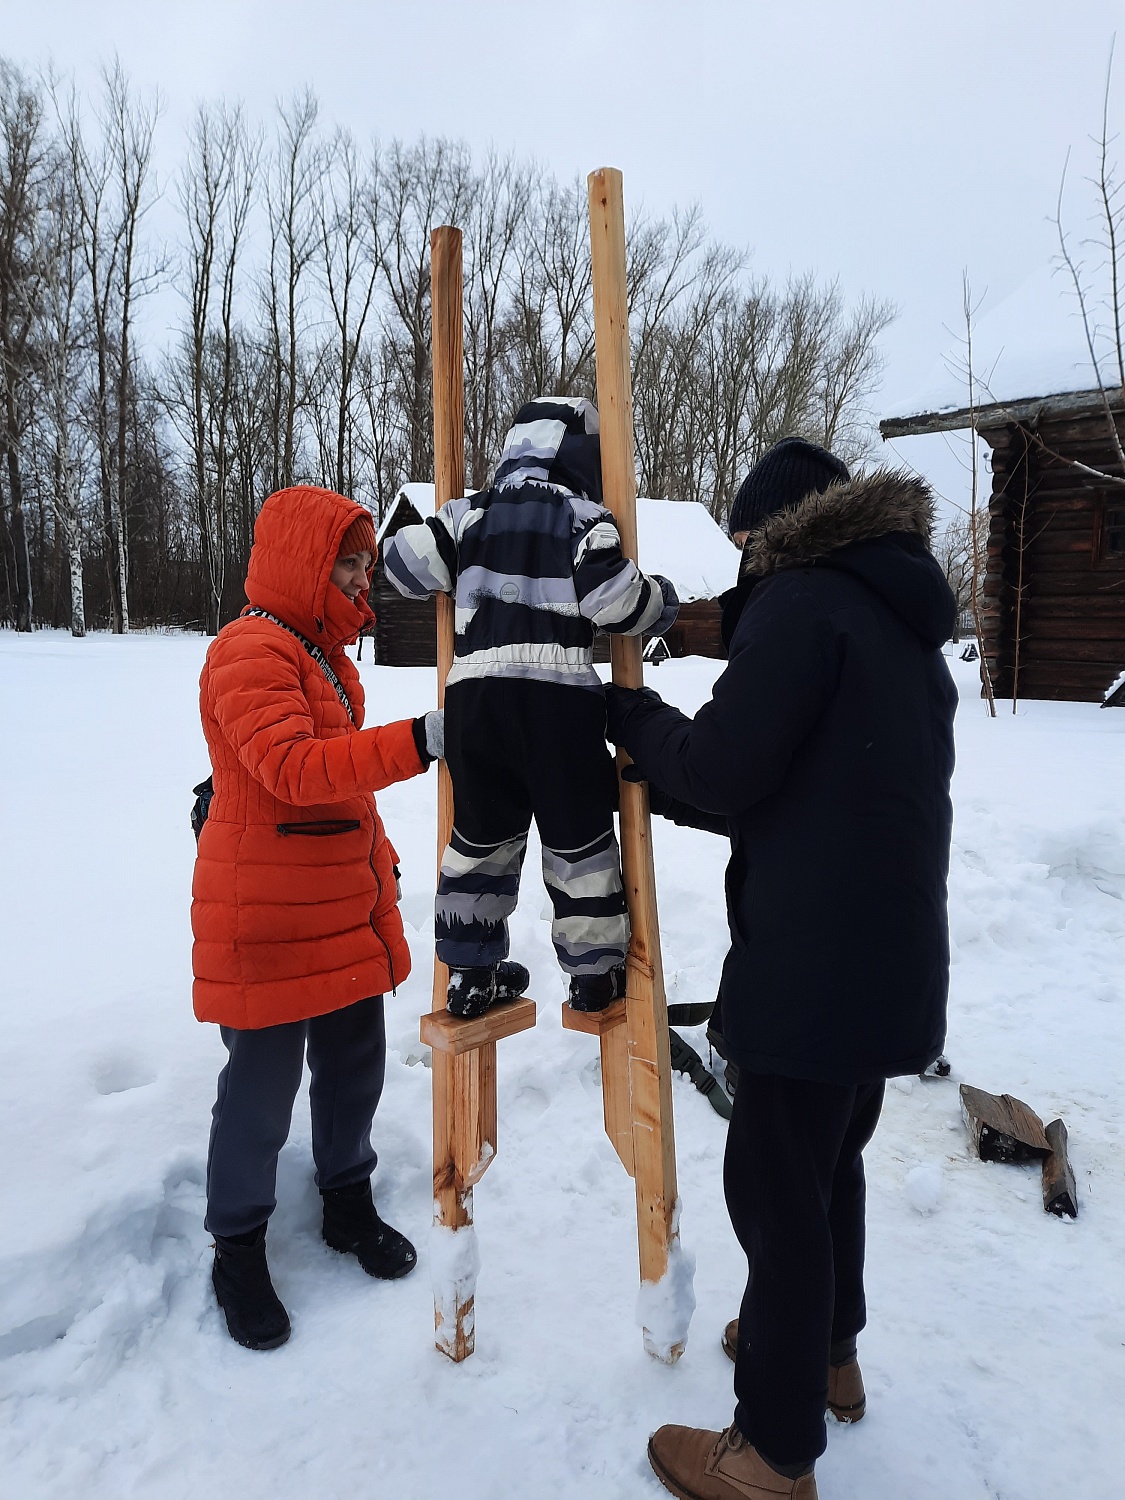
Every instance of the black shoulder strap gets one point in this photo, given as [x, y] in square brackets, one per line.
[315, 652]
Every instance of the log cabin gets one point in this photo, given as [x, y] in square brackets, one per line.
[1054, 588]
[678, 538]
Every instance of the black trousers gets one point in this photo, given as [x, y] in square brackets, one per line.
[518, 749]
[347, 1052]
[795, 1191]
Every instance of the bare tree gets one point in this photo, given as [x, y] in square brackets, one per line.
[421, 187]
[291, 190]
[345, 211]
[215, 191]
[25, 169]
[978, 514]
[64, 353]
[953, 549]
[499, 206]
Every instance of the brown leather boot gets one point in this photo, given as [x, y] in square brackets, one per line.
[699, 1465]
[847, 1400]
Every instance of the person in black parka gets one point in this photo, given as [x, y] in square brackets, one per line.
[825, 754]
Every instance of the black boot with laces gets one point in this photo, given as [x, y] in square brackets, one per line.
[352, 1227]
[241, 1278]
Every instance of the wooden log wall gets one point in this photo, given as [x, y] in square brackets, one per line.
[1064, 629]
[405, 629]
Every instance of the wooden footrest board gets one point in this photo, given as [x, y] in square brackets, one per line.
[458, 1035]
[594, 1022]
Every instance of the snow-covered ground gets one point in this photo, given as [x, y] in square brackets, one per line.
[995, 1356]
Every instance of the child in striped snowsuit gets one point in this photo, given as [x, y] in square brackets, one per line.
[535, 568]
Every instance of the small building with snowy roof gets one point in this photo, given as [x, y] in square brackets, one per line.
[678, 538]
[1054, 588]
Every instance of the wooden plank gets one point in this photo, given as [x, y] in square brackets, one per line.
[1060, 1192]
[617, 1102]
[449, 480]
[474, 1112]
[998, 414]
[1003, 1128]
[1095, 653]
[648, 1086]
[458, 1034]
[594, 1022]
[611, 1027]
[453, 1197]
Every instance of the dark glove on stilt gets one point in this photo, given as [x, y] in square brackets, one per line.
[352, 1226]
[241, 1278]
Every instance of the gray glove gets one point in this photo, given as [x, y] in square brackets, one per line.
[435, 733]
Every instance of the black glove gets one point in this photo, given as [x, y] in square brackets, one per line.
[620, 702]
[659, 801]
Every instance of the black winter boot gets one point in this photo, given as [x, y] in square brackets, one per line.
[512, 980]
[471, 991]
[352, 1226]
[241, 1278]
[596, 991]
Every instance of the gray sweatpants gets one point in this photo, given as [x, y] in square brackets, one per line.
[347, 1052]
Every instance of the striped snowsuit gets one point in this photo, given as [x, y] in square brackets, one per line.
[535, 567]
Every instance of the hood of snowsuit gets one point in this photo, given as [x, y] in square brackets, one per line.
[554, 440]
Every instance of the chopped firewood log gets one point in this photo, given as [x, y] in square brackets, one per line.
[1060, 1193]
[1003, 1128]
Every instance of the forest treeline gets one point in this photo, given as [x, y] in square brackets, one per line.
[130, 475]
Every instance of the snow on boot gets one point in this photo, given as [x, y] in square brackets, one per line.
[352, 1226]
[241, 1278]
[471, 991]
[512, 980]
[595, 991]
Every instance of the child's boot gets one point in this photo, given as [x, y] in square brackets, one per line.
[512, 980]
[596, 991]
[471, 991]
[241, 1278]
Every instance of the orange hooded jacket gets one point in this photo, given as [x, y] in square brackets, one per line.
[293, 901]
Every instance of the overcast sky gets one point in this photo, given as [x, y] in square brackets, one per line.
[889, 144]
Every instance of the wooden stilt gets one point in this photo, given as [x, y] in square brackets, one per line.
[464, 1052]
[636, 1066]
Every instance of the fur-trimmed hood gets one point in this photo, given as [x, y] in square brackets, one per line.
[870, 506]
[877, 527]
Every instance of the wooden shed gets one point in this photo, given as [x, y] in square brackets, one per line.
[1055, 583]
[678, 538]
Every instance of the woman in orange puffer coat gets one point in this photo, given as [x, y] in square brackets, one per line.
[294, 910]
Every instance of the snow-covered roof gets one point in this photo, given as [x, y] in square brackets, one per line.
[1031, 344]
[681, 539]
[421, 496]
[678, 538]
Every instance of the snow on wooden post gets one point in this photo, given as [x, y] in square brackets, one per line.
[637, 1078]
[464, 1051]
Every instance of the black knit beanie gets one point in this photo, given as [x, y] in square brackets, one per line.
[781, 478]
